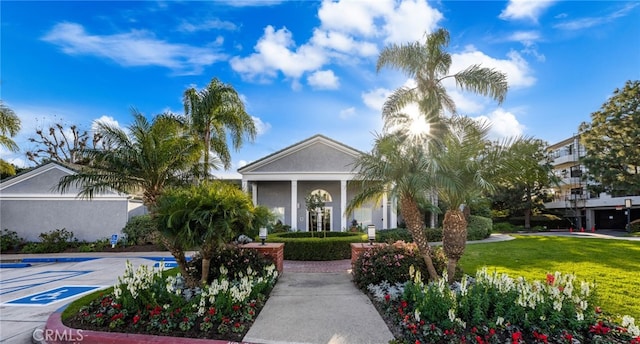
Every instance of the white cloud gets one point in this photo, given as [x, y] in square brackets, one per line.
[584, 23]
[410, 20]
[375, 99]
[324, 79]
[519, 74]
[261, 127]
[348, 113]
[525, 9]
[504, 124]
[342, 43]
[353, 17]
[465, 103]
[528, 39]
[134, 48]
[274, 54]
[107, 120]
[207, 25]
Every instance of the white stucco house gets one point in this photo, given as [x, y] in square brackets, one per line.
[281, 181]
[30, 205]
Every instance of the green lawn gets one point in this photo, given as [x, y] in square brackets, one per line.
[613, 264]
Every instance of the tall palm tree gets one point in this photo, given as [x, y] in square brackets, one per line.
[9, 127]
[465, 167]
[428, 65]
[213, 113]
[150, 157]
[402, 171]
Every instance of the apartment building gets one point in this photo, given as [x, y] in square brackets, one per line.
[573, 200]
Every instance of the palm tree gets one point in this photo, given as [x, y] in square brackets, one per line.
[465, 166]
[428, 65]
[9, 127]
[150, 157]
[402, 171]
[213, 113]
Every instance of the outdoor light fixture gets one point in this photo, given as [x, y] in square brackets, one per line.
[628, 203]
[263, 234]
[371, 233]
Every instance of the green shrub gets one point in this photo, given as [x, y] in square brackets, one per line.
[391, 263]
[503, 227]
[54, 241]
[140, 230]
[235, 260]
[635, 226]
[96, 246]
[403, 234]
[478, 227]
[301, 246]
[9, 240]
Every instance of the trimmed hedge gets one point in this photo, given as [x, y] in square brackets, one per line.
[301, 246]
[478, 228]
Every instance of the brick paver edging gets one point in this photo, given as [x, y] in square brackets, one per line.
[55, 332]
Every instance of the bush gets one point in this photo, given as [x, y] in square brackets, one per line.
[392, 263]
[9, 240]
[503, 227]
[403, 234]
[236, 261]
[54, 241]
[478, 227]
[140, 230]
[301, 246]
[635, 226]
[96, 246]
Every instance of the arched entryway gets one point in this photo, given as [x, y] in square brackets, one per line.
[320, 219]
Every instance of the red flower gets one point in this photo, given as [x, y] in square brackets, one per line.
[540, 336]
[164, 321]
[598, 310]
[236, 308]
[550, 279]
[117, 316]
[479, 340]
[417, 342]
[136, 318]
[474, 330]
[237, 325]
[635, 340]
[99, 315]
[568, 337]
[403, 304]
[387, 297]
[492, 332]
[212, 311]
[515, 337]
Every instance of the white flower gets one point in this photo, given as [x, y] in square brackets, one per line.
[416, 314]
[499, 321]
[452, 315]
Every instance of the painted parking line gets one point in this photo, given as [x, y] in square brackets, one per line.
[58, 259]
[50, 296]
[33, 280]
[14, 265]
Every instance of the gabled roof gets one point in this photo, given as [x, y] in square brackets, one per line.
[318, 138]
[33, 172]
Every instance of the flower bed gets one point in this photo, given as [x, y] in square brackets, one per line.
[494, 308]
[146, 302]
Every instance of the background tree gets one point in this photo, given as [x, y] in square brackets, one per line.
[206, 216]
[60, 144]
[315, 203]
[403, 172]
[612, 141]
[213, 114]
[524, 173]
[9, 128]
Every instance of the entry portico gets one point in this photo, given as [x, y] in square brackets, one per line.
[318, 165]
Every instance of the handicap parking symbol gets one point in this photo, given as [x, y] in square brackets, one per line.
[51, 296]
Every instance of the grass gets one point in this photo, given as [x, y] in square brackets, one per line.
[613, 264]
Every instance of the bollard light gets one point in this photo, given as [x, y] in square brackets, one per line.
[263, 234]
[371, 233]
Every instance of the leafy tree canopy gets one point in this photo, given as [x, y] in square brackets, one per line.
[612, 142]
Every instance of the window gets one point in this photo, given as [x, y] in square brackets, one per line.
[363, 215]
[278, 213]
[576, 171]
[324, 195]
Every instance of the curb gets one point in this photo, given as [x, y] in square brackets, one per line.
[55, 332]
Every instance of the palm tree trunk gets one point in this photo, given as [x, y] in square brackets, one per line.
[207, 252]
[454, 239]
[178, 254]
[415, 224]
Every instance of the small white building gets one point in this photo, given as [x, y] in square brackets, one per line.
[30, 205]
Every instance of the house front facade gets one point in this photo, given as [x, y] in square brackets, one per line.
[283, 181]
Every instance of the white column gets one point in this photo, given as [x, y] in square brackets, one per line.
[294, 204]
[254, 192]
[384, 211]
[245, 186]
[393, 217]
[343, 205]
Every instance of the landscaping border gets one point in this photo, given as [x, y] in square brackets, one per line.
[55, 332]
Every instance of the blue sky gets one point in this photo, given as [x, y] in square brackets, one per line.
[308, 67]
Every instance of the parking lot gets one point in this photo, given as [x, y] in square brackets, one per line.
[34, 286]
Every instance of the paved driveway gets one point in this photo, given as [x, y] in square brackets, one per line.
[28, 295]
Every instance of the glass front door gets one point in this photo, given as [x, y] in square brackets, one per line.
[323, 224]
